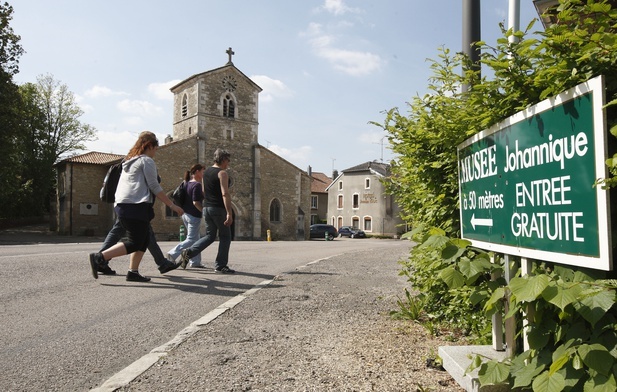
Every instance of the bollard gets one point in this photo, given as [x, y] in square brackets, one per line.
[327, 236]
[182, 233]
[269, 237]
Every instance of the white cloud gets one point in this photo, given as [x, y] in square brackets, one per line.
[139, 108]
[338, 7]
[113, 142]
[272, 88]
[373, 137]
[161, 90]
[298, 156]
[351, 62]
[102, 91]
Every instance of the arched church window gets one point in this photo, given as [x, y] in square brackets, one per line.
[229, 107]
[185, 105]
[275, 211]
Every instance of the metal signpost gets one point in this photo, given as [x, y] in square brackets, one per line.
[527, 184]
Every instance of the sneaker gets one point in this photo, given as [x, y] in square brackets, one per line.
[225, 270]
[136, 277]
[94, 264]
[169, 267]
[106, 270]
[197, 266]
[185, 258]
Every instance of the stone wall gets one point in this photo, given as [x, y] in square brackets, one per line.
[80, 210]
[291, 186]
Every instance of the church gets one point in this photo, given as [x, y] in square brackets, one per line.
[213, 109]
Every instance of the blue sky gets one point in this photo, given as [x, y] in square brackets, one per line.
[327, 67]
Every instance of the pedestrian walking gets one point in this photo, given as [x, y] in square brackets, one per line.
[217, 212]
[193, 207]
[134, 201]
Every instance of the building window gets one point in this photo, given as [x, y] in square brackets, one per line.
[314, 219]
[275, 211]
[355, 222]
[340, 185]
[229, 108]
[340, 202]
[314, 202]
[368, 224]
[339, 223]
[367, 183]
[185, 106]
[190, 130]
[356, 200]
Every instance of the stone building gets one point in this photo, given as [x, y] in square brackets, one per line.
[319, 196]
[219, 109]
[79, 210]
[357, 198]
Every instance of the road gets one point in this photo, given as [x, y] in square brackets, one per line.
[63, 330]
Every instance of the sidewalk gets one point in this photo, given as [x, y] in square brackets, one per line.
[323, 327]
[39, 234]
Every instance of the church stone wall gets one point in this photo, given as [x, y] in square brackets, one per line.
[172, 161]
[291, 187]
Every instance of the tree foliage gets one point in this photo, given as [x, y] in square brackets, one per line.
[39, 123]
[50, 129]
[572, 333]
[10, 104]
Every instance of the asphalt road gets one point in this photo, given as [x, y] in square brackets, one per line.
[62, 330]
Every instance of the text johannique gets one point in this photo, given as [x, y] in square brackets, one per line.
[555, 226]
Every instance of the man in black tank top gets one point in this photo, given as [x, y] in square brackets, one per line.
[217, 213]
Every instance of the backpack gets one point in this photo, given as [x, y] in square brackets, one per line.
[179, 194]
[110, 183]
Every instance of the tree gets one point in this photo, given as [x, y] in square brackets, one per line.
[10, 49]
[10, 102]
[51, 129]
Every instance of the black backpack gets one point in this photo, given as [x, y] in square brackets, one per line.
[179, 194]
[110, 183]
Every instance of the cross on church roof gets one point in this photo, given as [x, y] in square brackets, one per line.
[230, 53]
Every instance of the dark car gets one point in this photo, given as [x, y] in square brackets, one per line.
[319, 231]
[348, 231]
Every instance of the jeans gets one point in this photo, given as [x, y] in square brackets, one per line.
[215, 219]
[117, 232]
[192, 235]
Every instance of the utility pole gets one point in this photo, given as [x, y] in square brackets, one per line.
[471, 32]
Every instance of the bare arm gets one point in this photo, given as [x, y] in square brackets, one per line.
[224, 179]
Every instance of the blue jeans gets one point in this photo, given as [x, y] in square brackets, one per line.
[215, 219]
[192, 235]
[117, 232]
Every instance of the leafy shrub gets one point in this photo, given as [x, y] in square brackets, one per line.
[573, 328]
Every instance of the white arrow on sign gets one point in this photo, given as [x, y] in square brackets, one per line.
[480, 222]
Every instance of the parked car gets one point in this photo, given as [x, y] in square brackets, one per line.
[319, 231]
[348, 231]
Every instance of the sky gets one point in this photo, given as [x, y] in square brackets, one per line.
[327, 67]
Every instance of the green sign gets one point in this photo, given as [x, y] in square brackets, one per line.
[526, 184]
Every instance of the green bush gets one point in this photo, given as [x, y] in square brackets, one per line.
[573, 328]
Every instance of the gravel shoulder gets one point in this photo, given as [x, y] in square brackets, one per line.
[323, 327]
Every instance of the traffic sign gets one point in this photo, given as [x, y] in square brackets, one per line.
[526, 185]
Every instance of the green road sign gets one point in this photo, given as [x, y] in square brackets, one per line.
[526, 184]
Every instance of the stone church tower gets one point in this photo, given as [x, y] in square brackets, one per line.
[220, 109]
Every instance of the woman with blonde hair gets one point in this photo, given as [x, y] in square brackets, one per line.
[134, 206]
[193, 208]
